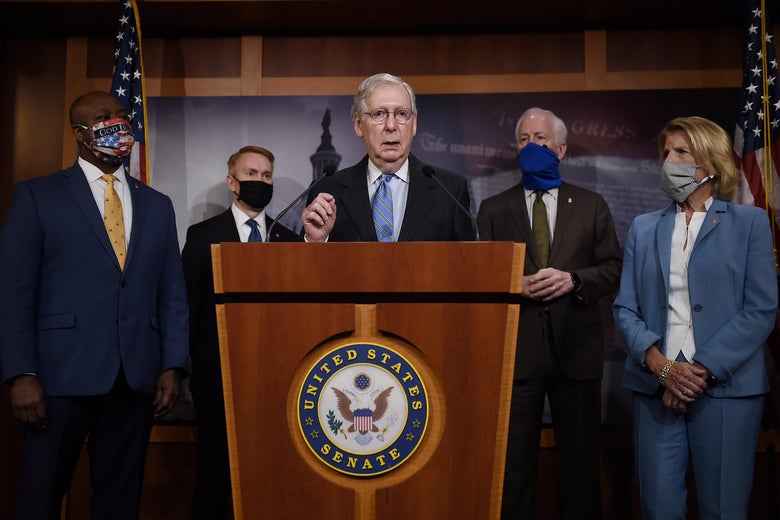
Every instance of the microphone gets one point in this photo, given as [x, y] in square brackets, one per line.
[429, 172]
[326, 172]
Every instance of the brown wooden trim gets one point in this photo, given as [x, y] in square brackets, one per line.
[251, 65]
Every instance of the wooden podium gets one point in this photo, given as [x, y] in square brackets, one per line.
[422, 334]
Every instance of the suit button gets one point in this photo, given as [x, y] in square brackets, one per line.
[697, 307]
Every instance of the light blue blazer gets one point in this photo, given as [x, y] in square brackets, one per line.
[68, 313]
[733, 292]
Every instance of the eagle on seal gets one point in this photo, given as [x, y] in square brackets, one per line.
[362, 419]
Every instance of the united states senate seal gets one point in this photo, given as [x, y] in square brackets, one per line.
[362, 409]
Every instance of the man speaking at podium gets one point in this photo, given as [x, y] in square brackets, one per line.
[388, 196]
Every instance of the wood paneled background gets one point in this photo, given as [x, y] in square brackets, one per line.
[53, 51]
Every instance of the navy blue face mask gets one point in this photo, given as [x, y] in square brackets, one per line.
[540, 167]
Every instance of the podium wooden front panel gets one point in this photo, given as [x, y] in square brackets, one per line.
[454, 303]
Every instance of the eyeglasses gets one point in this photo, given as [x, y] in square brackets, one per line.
[402, 115]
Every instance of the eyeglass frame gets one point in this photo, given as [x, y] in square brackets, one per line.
[370, 114]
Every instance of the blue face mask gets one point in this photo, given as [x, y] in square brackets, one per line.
[540, 167]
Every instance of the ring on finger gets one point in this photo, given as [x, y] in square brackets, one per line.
[554, 288]
[685, 390]
[675, 403]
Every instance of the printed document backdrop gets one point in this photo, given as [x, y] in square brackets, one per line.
[611, 150]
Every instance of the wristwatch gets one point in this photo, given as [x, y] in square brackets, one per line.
[575, 280]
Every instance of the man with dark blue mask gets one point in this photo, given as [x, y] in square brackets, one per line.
[250, 178]
[573, 258]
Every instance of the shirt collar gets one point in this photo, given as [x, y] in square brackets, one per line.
[241, 217]
[707, 204]
[553, 192]
[374, 173]
[93, 173]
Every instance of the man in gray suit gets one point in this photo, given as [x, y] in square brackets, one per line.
[573, 258]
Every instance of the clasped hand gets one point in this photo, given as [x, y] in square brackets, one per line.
[684, 383]
[547, 284]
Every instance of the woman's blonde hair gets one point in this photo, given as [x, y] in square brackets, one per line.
[711, 147]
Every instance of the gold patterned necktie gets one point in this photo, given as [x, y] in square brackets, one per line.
[541, 228]
[114, 219]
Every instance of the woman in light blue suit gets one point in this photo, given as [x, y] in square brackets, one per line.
[697, 300]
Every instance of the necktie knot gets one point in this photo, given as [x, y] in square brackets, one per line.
[254, 234]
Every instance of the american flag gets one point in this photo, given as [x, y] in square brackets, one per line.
[756, 150]
[128, 84]
[758, 117]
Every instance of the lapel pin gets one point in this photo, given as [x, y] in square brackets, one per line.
[569, 200]
[714, 221]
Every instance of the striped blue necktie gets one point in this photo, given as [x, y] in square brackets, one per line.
[254, 235]
[382, 209]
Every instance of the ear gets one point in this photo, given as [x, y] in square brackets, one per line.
[561, 150]
[357, 124]
[78, 134]
[231, 183]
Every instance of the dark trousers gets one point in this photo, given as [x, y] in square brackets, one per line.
[576, 416]
[117, 424]
[212, 499]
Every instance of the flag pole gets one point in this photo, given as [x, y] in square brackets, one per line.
[769, 166]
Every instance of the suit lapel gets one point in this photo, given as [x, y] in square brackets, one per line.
[228, 232]
[714, 215]
[75, 183]
[566, 207]
[354, 193]
[663, 242]
[418, 200]
[140, 202]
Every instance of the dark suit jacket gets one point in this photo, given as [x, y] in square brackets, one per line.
[585, 243]
[431, 215]
[67, 311]
[196, 258]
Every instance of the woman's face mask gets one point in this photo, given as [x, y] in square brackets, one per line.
[678, 180]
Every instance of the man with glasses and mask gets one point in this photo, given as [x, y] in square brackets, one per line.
[250, 179]
[389, 195]
[93, 318]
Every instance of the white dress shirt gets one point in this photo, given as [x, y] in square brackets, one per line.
[550, 199]
[399, 186]
[243, 228]
[98, 187]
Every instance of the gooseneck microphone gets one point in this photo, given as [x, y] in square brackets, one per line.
[326, 172]
[429, 172]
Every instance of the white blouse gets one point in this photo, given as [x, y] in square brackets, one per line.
[679, 325]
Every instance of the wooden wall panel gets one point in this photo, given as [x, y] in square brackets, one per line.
[423, 55]
[32, 109]
[674, 49]
[173, 57]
